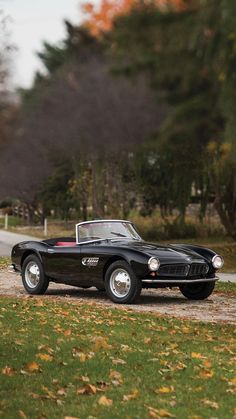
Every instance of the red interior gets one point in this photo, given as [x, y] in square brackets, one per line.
[66, 244]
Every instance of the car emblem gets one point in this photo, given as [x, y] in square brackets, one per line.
[90, 261]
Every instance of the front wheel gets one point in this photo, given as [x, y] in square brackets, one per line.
[33, 277]
[122, 285]
[199, 291]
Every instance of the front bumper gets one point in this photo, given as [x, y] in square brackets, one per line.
[12, 268]
[177, 282]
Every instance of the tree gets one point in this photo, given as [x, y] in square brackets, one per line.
[189, 58]
[81, 110]
[5, 51]
[100, 19]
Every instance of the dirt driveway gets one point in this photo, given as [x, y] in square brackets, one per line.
[218, 307]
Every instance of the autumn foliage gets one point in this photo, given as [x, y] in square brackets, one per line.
[100, 19]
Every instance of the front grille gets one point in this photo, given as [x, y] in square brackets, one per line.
[198, 269]
[174, 270]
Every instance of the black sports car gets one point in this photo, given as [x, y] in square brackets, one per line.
[111, 256]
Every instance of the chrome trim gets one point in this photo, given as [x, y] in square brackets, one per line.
[51, 250]
[179, 282]
[158, 261]
[216, 256]
[12, 268]
[96, 221]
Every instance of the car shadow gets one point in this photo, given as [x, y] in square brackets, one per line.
[146, 298]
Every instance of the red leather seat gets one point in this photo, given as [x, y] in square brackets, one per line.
[68, 244]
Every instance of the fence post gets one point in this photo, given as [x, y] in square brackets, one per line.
[45, 230]
[6, 222]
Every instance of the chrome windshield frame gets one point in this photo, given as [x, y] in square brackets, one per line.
[102, 239]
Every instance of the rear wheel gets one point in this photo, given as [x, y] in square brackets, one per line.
[122, 285]
[33, 277]
[198, 291]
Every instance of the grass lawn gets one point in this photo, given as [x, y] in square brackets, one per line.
[69, 359]
[4, 262]
[226, 288]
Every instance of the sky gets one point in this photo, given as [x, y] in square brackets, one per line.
[33, 21]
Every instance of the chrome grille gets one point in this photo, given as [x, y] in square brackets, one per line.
[174, 270]
[197, 269]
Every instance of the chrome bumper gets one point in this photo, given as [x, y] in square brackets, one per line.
[12, 268]
[178, 282]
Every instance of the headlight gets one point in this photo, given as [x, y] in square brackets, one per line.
[153, 264]
[217, 262]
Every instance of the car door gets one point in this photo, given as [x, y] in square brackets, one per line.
[63, 263]
[93, 258]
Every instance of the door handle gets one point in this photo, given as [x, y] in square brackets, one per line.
[51, 251]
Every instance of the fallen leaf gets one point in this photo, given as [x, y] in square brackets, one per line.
[118, 361]
[61, 392]
[45, 357]
[210, 403]
[67, 332]
[156, 413]
[147, 341]
[206, 374]
[132, 396]
[8, 371]
[164, 390]
[115, 374]
[196, 355]
[100, 343]
[22, 414]
[104, 401]
[87, 389]
[207, 364]
[32, 366]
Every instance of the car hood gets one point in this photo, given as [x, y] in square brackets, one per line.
[164, 253]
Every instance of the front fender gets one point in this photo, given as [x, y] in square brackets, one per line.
[202, 251]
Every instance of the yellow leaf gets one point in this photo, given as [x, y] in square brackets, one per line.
[164, 390]
[82, 357]
[101, 343]
[32, 366]
[45, 357]
[104, 401]
[185, 330]
[207, 364]
[132, 396]
[206, 374]
[196, 355]
[233, 380]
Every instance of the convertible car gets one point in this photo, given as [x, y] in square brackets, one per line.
[110, 255]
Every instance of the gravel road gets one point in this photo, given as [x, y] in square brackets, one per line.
[217, 308]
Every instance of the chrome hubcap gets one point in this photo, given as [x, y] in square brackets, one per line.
[120, 283]
[32, 274]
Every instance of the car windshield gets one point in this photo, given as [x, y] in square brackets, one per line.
[107, 230]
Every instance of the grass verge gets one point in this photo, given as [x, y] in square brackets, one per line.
[4, 262]
[69, 359]
[226, 288]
